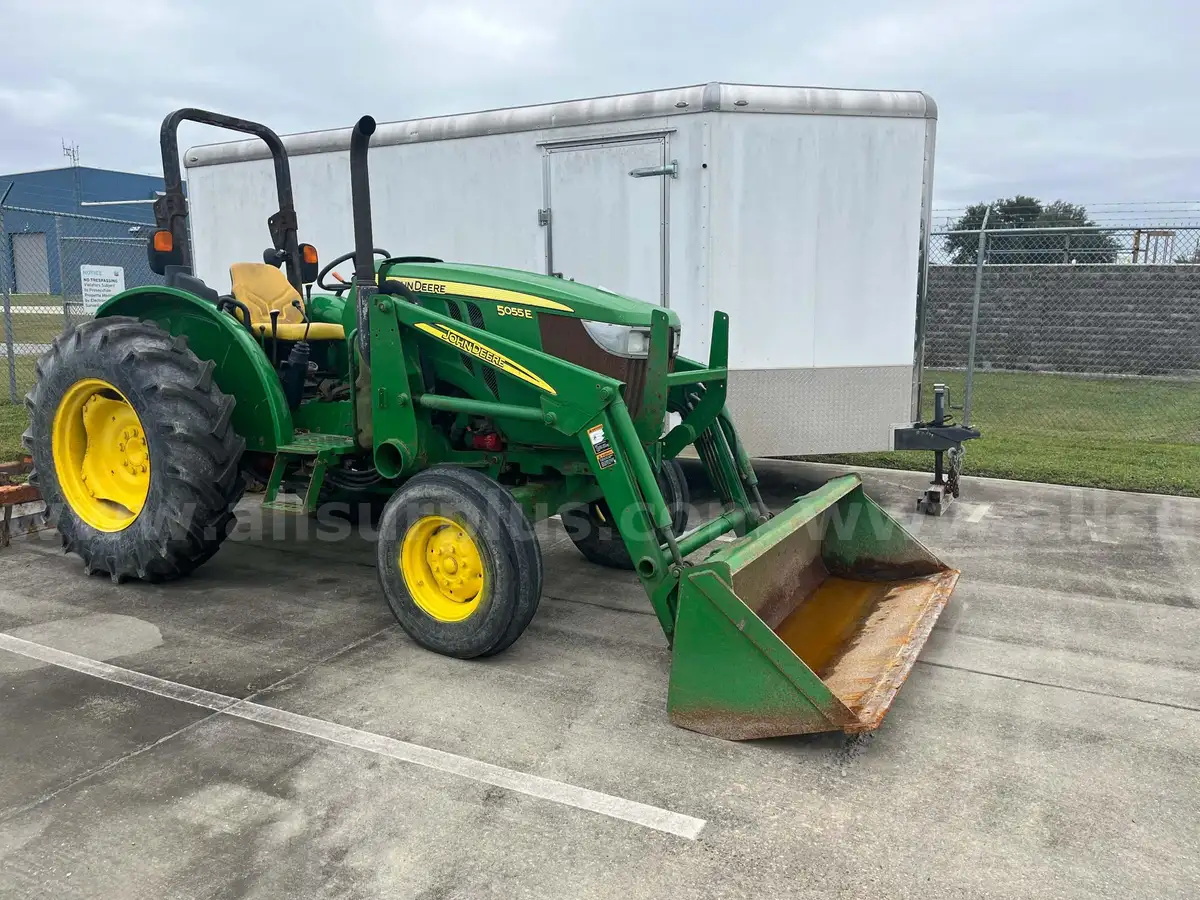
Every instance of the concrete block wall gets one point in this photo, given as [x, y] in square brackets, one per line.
[1099, 319]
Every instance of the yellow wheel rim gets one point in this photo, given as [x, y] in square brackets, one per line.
[442, 568]
[100, 455]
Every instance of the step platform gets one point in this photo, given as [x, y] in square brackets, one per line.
[311, 447]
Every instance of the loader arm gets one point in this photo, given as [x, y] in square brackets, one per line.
[572, 400]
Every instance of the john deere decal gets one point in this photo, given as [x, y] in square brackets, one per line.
[485, 353]
[479, 292]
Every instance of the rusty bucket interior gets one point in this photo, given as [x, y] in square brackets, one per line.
[809, 623]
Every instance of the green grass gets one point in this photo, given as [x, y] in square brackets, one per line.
[12, 423]
[35, 328]
[36, 300]
[30, 335]
[32, 330]
[1124, 434]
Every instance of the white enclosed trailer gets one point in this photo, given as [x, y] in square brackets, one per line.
[801, 212]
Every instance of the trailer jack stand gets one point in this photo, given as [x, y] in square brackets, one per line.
[943, 490]
[946, 440]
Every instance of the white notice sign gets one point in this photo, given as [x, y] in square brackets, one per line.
[100, 283]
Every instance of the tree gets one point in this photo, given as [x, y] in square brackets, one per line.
[1041, 247]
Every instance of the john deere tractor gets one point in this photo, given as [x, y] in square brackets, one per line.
[475, 400]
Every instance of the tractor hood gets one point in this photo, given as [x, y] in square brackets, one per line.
[543, 292]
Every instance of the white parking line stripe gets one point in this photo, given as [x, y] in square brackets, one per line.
[510, 779]
[1096, 536]
[980, 510]
[148, 683]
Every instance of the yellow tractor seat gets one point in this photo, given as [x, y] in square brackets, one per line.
[262, 288]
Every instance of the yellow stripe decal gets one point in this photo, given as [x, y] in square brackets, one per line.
[478, 291]
[480, 351]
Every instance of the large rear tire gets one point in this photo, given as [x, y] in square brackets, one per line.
[592, 527]
[459, 562]
[133, 449]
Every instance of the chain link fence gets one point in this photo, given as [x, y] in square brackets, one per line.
[55, 269]
[1075, 350]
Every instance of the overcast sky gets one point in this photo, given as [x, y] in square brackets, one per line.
[1087, 100]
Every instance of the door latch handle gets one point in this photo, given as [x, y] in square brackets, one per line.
[671, 168]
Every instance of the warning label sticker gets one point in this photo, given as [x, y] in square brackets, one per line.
[599, 441]
[604, 453]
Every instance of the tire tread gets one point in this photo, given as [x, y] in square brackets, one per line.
[187, 423]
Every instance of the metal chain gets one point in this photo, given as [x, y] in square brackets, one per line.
[955, 455]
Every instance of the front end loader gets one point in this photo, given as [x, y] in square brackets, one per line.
[471, 401]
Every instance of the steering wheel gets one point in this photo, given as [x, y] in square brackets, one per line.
[329, 267]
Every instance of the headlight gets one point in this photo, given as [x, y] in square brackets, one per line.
[675, 333]
[622, 340]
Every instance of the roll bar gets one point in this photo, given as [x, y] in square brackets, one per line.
[171, 209]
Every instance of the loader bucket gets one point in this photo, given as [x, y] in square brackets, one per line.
[811, 622]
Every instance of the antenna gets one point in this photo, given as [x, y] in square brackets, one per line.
[71, 152]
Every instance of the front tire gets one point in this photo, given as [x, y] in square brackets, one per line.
[592, 527]
[133, 449]
[459, 563]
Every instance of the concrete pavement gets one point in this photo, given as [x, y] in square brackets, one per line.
[1045, 745]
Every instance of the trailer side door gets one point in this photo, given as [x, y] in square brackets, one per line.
[606, 217]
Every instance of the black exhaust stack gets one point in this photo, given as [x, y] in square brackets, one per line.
[364, 242]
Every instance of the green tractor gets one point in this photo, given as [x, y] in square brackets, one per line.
[476, 401]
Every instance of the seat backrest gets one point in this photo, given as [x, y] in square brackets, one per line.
[182, 278]
[264, 288]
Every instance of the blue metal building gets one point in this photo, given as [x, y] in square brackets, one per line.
[42, 250]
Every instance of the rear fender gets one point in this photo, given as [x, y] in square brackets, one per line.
[261, 413]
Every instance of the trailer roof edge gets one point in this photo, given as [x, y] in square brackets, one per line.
[710, 97]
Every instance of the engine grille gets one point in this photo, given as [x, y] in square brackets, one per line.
[454, 310]
[489, 374]
[566, 338]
